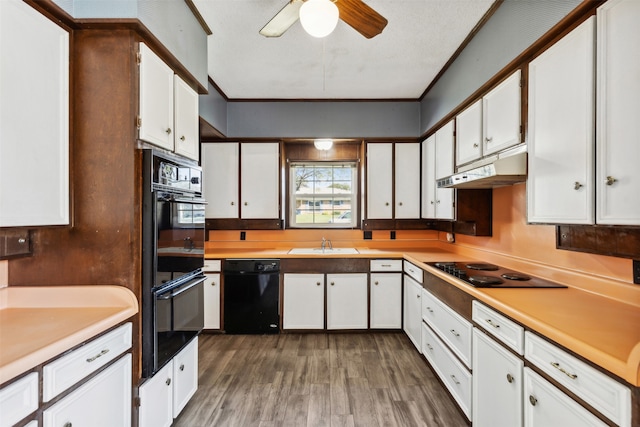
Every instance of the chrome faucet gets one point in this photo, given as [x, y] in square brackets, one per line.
[324, 243]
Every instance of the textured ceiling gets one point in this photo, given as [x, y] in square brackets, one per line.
[400, 63]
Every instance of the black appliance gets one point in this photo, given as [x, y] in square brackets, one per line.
[251, 296]
[485, 275]
[173, 234]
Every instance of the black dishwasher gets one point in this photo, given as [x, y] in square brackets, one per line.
[251, 295]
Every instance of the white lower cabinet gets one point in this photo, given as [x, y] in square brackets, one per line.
[347, 301]
[104, 400]
[386, 301]
[548, 406]
[303, 301]
[163, 396]
[412, 318]
[18, 399]
[212, 301]
[497, 384]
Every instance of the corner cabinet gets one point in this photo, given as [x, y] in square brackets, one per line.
[437, 162]
[34, 124]
[168, 107]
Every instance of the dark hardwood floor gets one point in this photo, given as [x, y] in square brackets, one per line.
[375, 379]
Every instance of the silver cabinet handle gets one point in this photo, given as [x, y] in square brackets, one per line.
[68, 424]
[557, 366]
[168, 381]
[611, 180]
[489, 139]
[168, 131]
[577, 185]
[182, 138]
[233, 203]
[453, 331]
[510, 378]
[455, 380]
[495, 325]
[418, 296]
[182, 367]
[533, 400]
[429, 309]
[431, 202]
[429, 347]
[102, 353]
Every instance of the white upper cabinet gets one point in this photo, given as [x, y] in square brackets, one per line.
[469, 134]
[168, 107]
[380, 180]
[560, 186]
[259, 180]
[437, 162]
[618, 110]
[501, 115]
[220, 170]
[156, 100]
[407, 180]
[428, 177]
[186, 135]
[34, 118]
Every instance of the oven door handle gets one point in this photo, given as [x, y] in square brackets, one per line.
[180, 289]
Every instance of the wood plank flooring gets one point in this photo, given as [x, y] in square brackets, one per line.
[318, 380]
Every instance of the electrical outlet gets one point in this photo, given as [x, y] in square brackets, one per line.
[392, 235]
[243, 235]
[636, 272]
[368, 235]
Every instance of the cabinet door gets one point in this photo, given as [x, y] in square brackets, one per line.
[501, 115]
[497, 384]
[428, 177]
[220, 170]
[105, 400]
[186, 135]
[259, 180]
[347, 301]
[561, 133]
[303, 305]
[444, 167]
[407, 180]
[212, 301]
[618, 109]
[379, 181]
[34, 118]
[185, 376]
[386, 301]
[545, 405]
[412, 318]
[156, 399]
[156, 100]
[469, 134]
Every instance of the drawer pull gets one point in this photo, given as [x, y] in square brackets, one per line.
[68, 424]
[495, 325]
[557, 366]
[182, 367]
[510, 378]
[455, 380]
[429, 309]
[453, 331]
[533, 400]
[102, 353]
[385, 265]
[429, 347]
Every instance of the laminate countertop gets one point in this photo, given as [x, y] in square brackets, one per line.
[38, 323]
[602, 329]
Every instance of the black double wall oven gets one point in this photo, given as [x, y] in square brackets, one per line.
[173, 234]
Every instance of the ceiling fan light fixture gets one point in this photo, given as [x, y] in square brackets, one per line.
[319, 17]
[323, 144]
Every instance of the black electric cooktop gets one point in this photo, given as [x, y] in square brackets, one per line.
[484, 275]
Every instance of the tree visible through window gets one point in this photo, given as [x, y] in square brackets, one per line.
[323, 194]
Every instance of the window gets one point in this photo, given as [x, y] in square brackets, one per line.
[323, 194]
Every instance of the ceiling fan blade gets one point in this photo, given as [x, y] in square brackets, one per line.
[361, 17]
[284, 19]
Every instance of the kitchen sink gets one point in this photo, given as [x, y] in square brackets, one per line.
[320, 251]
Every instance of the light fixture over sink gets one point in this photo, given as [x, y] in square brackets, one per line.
[323, 144]
[319, 17]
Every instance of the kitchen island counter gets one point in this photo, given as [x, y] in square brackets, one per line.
[38, 323]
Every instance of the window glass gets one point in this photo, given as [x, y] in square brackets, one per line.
[323, 194]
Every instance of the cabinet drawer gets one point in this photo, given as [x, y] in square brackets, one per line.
[62, 373]
[602, 392]
[211, 265]
[508, 332]
[413, 271]
[18, 399]
[454, 375]
[452, 328]
[545, 405]
[386, 265]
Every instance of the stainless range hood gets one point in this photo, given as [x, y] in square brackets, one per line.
[499, 172]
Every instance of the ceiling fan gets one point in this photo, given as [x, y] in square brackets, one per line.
[358, 15]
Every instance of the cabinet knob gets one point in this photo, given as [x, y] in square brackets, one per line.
[213, 283]
[533, 400]
[182, 367]
[577, 185]
[246, 204]
[489, 139]
[333, 283]
[510, 378]
[400, 203]
[182, 138]
[431, 202]
[611, 180]
[376, 283]
[475, 145]
[318, 284]
[437, 201]
[168, 131]
[68, 424]
[418, 296]
[233, 203]
[168, 381]
[386, 204]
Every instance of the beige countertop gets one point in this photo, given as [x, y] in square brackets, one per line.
[38, 323]
[605, 331]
